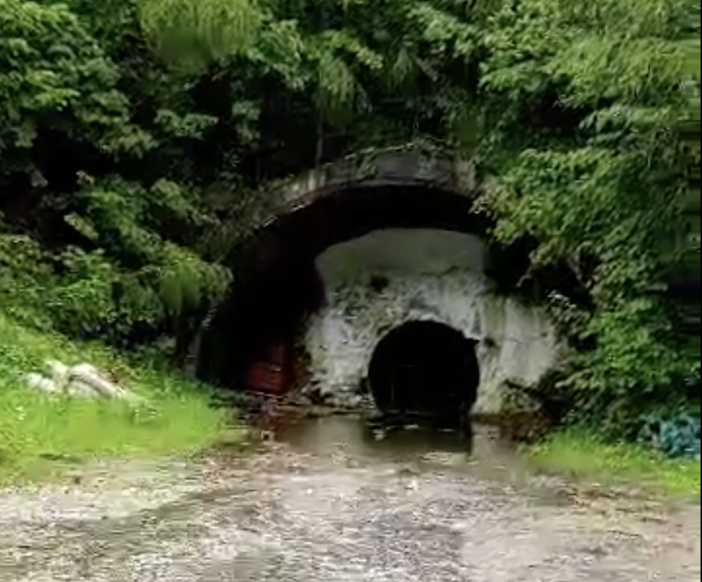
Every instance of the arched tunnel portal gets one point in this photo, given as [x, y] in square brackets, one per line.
[278, 286]
[282, 299]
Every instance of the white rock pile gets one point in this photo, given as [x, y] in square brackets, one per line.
[82, 380]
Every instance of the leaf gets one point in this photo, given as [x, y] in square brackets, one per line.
[82, 225]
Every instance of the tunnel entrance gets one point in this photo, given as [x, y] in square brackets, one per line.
[426, 370]
[276, 285]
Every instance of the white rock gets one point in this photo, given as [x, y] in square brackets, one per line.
[59, 373]
[78, 388]
[83, 380]
[85, 368]
[39, 382]
[87, 374]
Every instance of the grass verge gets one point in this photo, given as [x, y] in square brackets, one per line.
[37, 430]
[585, 456]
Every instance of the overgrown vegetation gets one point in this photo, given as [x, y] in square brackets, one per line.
[128, 129]
[586, 457]
[38, 430]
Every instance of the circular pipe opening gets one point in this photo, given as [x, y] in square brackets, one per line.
[425, 369]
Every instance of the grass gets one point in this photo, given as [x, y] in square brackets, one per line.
[36, 427]
[587, 457]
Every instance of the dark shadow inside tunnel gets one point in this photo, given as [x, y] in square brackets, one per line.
[425, 369]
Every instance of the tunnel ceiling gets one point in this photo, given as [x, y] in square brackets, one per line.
[351, 213]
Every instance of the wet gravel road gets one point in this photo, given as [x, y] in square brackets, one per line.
[294, 513]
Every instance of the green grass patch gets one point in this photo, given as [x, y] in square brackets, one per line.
[585, 456]
[38, 430]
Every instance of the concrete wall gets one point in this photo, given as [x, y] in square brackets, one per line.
[431, 275]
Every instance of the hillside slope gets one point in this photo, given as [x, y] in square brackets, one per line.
[36, 429]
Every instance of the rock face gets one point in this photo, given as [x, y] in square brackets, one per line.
[387, 278]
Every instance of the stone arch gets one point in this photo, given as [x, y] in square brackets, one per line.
[392, 311]
[409, 166]
[343, 334]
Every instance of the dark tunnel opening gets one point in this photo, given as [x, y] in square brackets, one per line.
[425, 369]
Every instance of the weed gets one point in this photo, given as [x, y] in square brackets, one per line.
[586, 456]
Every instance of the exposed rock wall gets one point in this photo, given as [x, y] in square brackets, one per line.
[387, 278]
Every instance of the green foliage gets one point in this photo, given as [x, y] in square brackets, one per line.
[23, 262]
[126, 251]
[56, 75]
[634, 368]
[135, 276]
[594, 176]
[591, 459]
[201, 30]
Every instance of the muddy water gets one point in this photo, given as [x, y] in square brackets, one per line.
[331, 501]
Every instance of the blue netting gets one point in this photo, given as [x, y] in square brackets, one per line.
[675, 435]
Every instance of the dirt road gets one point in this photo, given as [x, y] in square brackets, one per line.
[295, 513]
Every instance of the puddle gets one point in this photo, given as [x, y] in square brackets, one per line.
[351, 437]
